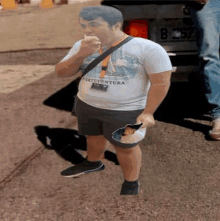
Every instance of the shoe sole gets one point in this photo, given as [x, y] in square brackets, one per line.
[214, 136]
[102, 167]
[217, 139]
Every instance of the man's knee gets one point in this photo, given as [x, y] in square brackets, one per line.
[97, 139]
[125, 149]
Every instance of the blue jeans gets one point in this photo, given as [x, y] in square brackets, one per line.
[207, 21]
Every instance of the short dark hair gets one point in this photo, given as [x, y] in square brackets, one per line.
[107, 13]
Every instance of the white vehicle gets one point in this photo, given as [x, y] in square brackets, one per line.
[165, 22]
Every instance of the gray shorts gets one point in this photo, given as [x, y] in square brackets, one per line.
[95, 121]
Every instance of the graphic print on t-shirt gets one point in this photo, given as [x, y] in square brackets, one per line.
[120, 67]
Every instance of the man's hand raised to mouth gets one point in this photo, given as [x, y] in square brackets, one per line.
[89, 45]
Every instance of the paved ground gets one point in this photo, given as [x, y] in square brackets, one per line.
[180, 169]
[50, 28]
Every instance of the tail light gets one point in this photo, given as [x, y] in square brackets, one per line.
[137, 28]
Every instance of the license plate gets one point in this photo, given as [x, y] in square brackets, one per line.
[176, 34]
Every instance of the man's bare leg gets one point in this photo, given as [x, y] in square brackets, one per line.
[130, 162]
[96, 147]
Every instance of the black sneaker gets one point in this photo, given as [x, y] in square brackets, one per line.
[84, 167]
[130, 189]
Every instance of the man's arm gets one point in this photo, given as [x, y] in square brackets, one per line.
[71, 66]
[89, 45]
[160, 84]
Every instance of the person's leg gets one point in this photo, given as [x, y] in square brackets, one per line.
[129, 155]
[95, 150]
[90, 126]
[96, 147]
[130, 161]
[207, 22]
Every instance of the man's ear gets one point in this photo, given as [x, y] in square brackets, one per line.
[117, 26]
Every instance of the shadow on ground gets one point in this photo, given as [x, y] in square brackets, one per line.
[184, 101]
[67, 143]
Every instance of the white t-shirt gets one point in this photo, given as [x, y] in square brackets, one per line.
[126, 79]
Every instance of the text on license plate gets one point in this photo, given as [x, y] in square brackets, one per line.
[169, 34]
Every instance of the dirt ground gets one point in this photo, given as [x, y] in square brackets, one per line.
[180, 166]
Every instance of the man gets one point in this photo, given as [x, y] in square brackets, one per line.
[206, 16]
[137, 80]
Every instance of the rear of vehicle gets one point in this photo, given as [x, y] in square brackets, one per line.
[167, 23]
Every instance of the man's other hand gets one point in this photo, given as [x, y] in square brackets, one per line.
[146, 119]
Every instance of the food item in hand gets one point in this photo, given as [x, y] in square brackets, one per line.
[128, 131]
